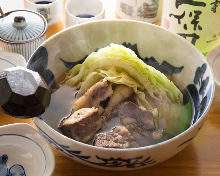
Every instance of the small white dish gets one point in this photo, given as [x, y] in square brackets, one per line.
[24, 152]
[8, 60]
[80, 11]
[22, 31]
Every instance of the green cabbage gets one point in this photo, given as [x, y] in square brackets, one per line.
[120, 65]
[154, 91]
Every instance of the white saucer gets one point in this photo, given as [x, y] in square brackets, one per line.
[23, 151]
[8, 60]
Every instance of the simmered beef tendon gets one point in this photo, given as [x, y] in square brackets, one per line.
[82, 125]
[136, 120]
[120, 94]
[119, 137]
[94, 96]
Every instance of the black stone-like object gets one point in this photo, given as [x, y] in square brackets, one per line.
[23, 92]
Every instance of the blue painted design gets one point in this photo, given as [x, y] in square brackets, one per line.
[164, 67]
[135, 162]
[197, 91]
[16, 34]
[15, 170]
[196, 94]
[8, 62]
[39, 63]
[186, 141]
[18, 135]
[70, 65]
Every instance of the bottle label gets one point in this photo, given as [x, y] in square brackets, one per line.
[195, 20]
[146, 10]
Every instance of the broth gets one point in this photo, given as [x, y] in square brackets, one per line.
[62, 101]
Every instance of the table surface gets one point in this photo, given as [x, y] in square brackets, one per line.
[200, 158]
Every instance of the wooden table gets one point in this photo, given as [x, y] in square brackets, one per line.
[200, 158]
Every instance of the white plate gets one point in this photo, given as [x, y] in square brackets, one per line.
[8, 60]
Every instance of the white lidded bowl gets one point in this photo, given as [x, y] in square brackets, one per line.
[164, 50]
[24, 152]
[22, 31]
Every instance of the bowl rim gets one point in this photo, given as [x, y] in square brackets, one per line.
[202, 116]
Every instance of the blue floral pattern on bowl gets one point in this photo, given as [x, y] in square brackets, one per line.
[39, 63]
[135, 162]
[15, 170]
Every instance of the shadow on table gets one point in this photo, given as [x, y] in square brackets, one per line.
[183, 164]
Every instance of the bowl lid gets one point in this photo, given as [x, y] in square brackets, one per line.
[21, 26]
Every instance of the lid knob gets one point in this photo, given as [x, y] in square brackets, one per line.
[19, 22]
[1, 12]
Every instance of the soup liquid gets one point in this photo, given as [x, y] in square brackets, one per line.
[85, 16]
[62, 101]
[43, 2]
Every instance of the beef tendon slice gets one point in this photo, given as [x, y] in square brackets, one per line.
[137, 121]
[119, 137]
[120, 94]
[94, 96]
[82, 125]
[23, 92]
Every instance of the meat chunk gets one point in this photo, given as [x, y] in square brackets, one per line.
[120, 94]
[136, 120]
[119, 137]
[94, 96]
[82, 125]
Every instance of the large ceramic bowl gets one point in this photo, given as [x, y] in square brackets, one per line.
[166, 51]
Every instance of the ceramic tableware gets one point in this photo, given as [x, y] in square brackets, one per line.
[80, 11]
[24, 152]
[157, 47]
[144, 10]
[22, 31]
[8, 60]
[51, 9]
